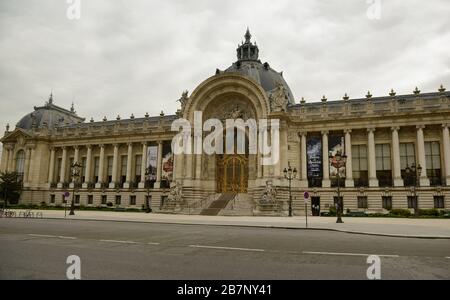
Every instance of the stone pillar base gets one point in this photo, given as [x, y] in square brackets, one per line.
[71, 185]
[126, 185]
[157, 185]
[424, 181]
[84, 185]
[112, 185]
[373, 182]
[326, 183]
[349, 183]
[303, 183]
[98, 185]
[59, 185]
[398, 182]
[141, 185]
[447, 181]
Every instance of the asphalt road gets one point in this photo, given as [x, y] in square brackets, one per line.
[38, 249]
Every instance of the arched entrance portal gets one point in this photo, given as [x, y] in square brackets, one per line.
[232, 173]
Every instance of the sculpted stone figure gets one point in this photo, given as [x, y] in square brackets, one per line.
[270, 194]
[183, 100]
[176, 194]
[278, 98]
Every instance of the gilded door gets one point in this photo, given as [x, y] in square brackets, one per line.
[232, 173]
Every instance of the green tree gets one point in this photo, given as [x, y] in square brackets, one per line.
[10, 187]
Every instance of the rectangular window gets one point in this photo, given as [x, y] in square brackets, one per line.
[96, 168]
[413, 201]
[77, 199]
[433, 161]
[383, 164]
[137, 168]
[63, 199]
[104, 199]
[110, 168]
[83, 170]
[359, 162]
[90, 200]
[439, 202]
[52, 198]
[118, 199]
[407, 159]
[69, 170]
[387, 202]
[58, 169]
[133, 200]
[362, 202]
[123, 168]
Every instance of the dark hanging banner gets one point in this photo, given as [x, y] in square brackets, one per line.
[314, 154]
[335, 145]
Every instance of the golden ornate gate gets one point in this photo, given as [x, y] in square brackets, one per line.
[232, 173]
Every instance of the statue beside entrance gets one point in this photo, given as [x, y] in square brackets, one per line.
[175, 199]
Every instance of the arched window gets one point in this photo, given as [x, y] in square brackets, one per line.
[20, 163]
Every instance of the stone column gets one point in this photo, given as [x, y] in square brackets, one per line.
[143, 165]
[325, 160]
[423, 180]
[159, 165]
[303, 161]
[189, 161]
[283, 161]
[115, 166]
[62, 173]
[26, 171]
[397, 173]
[76, 155]
[129, 162]
[51, 176]
[349, 182]
[446, 142]
[373, 181]
[9, 159]
[101, 167]
[87, 168]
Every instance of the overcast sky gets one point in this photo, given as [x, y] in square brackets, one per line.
[137, 56]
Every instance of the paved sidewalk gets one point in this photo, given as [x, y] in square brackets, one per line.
[400, 227]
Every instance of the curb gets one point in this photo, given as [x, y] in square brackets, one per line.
[393, 235]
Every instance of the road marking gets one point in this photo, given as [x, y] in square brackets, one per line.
[120, 242]
[448, 257]
[152, 243]
[347, 254]
[53, 236]
[227, 248]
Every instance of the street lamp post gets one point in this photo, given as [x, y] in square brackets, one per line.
[414, 173]
[338, 161]
[75, 170]
[148, 173]
[290, 174]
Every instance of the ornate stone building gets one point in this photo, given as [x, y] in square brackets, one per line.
[126, 161]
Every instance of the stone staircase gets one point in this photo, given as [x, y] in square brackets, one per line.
[217, 205]
[241, 205]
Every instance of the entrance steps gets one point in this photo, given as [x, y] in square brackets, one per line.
[217, 205]
[241, 205]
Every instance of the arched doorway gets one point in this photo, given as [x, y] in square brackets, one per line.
[232, 173]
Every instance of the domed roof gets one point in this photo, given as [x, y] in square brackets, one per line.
[49, 116]
[249, 65]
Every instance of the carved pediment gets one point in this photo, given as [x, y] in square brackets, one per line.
[18, 136]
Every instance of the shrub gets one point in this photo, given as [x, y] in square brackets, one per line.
[429, 212]
[109, 204]
[332, 211]
[400, 213]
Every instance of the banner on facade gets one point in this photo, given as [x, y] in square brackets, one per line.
[152, 162]
[314, 154]
[335, 145]
[167, 162]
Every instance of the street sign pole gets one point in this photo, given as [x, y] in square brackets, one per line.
[306, 196]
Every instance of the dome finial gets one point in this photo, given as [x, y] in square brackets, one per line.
[50, 99]
[247, 36]
[72, 108]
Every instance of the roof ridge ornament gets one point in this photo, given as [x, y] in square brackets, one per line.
[392, 93]
[346, 97]
[416, 91]
[441, 89]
